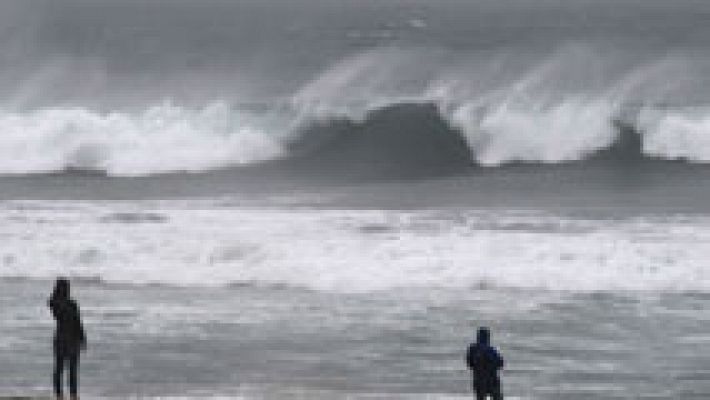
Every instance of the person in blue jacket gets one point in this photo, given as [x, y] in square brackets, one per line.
[485, 361]
[69, 338]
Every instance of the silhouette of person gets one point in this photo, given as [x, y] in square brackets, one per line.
[69, 338]
[485, 361]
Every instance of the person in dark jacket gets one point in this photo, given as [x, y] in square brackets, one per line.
[69, 338]
[485, 361]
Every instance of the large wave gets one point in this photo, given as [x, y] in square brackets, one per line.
[395, 109]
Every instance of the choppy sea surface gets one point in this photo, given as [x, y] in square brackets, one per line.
[198, 298]
[271, 342]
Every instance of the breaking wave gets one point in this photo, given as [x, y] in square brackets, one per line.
[391, 109]
[163, 138]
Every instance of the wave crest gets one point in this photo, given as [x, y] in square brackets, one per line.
[505, 108]
[678, 134]
[162, 138]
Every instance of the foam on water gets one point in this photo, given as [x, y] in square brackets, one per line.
[159, 139]
[354, 251]
[681, 134]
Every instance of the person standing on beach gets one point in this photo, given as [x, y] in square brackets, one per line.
[69, 338]
[485, 361]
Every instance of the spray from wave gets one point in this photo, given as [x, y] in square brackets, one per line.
[507, 108]
[567, 106]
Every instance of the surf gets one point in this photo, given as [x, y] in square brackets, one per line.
[390, 112]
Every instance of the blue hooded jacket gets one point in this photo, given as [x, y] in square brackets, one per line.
[484, 360]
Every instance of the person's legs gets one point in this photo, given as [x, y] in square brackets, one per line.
[58, 371]
[74, 374]
[496, 393]
[480, 393]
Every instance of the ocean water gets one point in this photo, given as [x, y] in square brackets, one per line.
[271, 342]
[312, 199]
[198, 298]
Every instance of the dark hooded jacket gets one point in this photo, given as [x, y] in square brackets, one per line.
[69, 335]
[484, 360]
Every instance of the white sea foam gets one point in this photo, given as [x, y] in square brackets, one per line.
[162, 138]
[354, 251]
[677, 134]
